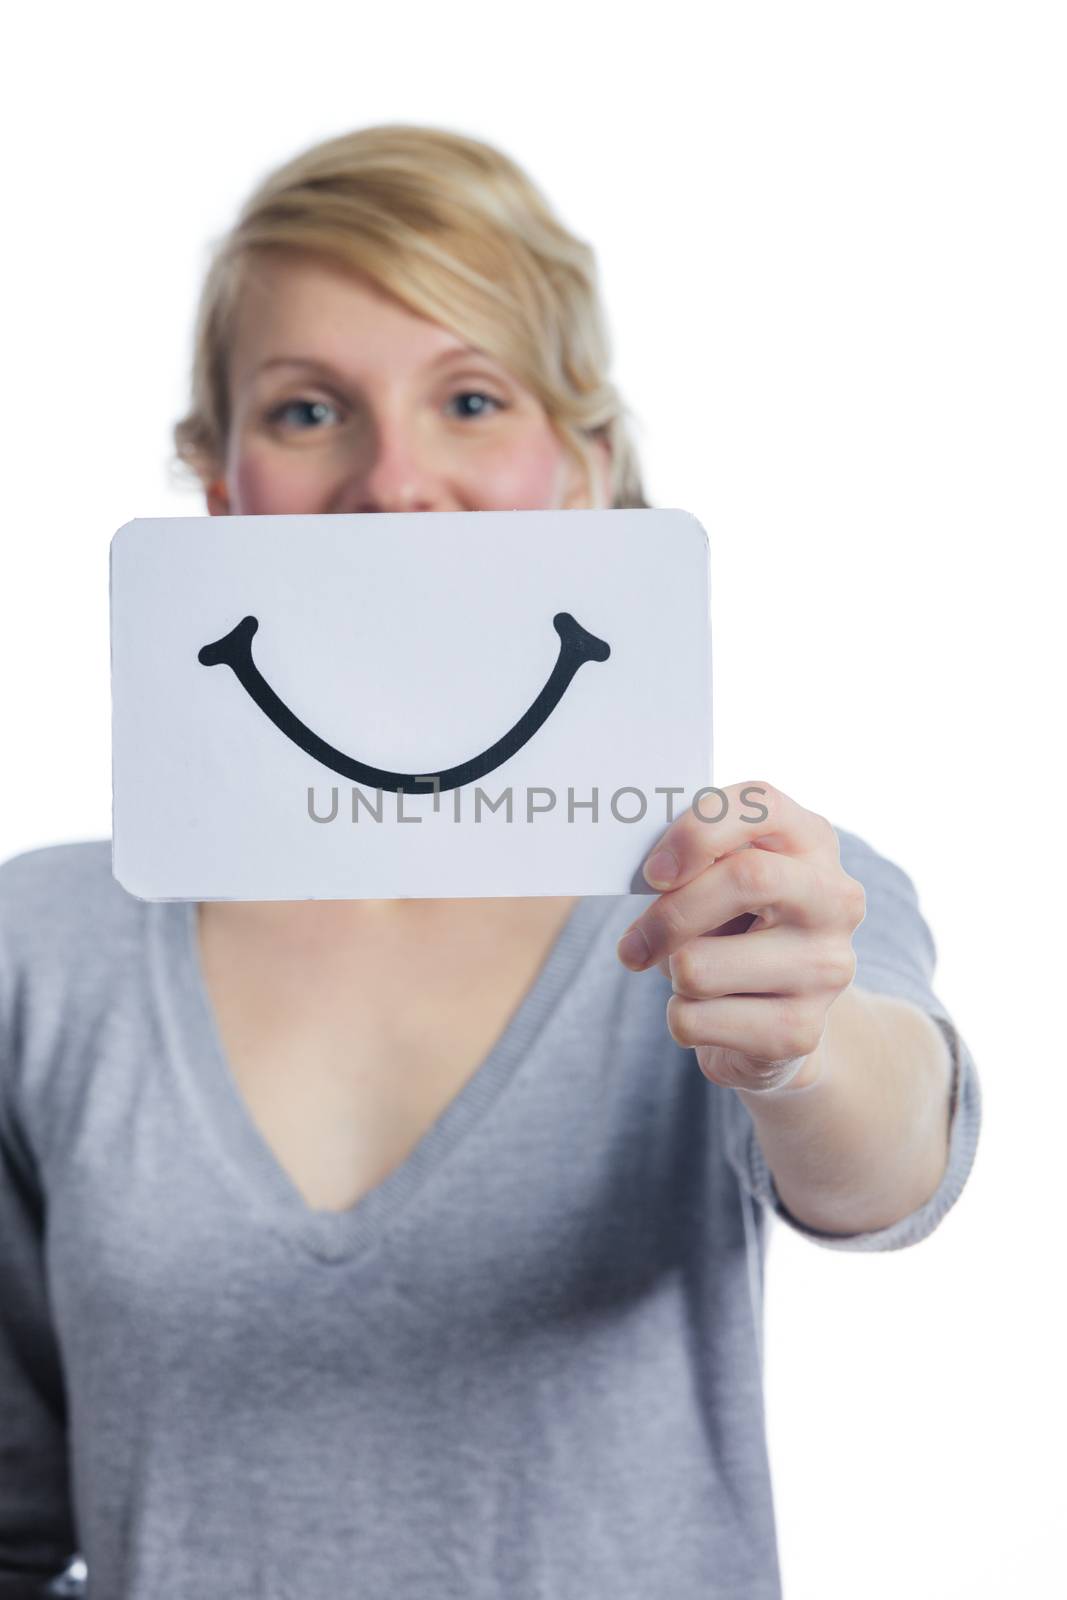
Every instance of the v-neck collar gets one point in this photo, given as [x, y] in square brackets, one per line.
[197, 1055]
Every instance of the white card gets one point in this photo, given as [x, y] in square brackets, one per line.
[286, 689]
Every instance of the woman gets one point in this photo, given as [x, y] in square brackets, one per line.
[416, 1247]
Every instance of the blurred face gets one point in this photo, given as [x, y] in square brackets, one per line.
[342, 400]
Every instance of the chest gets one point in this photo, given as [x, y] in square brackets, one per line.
[345, 1057]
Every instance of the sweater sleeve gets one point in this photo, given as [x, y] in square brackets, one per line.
[895, 955]
[37, 1534]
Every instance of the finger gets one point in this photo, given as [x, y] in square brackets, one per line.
[763, 1028]
[780, 889]
[719, 821]
[734, 1070]
[772, 961]
[739, 924]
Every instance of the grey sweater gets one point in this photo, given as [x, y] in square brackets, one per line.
[526, 1366]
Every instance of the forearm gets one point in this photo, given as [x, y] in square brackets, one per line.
[864, 1141]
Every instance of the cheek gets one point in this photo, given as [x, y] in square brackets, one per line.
[527, 477]
[266, 482]
[523, 473]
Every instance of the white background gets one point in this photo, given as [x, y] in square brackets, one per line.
[832, 246]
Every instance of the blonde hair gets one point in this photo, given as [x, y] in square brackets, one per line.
[457, 232]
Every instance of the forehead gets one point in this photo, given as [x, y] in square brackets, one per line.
[303, 306]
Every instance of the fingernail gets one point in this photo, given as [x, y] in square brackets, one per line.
[633, 948]
[661, 867]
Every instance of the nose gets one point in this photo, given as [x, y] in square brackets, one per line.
[393, 473]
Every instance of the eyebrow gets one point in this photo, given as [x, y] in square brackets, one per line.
[312, 364]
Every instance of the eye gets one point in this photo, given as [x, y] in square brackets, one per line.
[315, 408]
[482, 397]
[316, 412]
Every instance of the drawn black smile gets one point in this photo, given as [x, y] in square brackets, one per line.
[576, 645]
